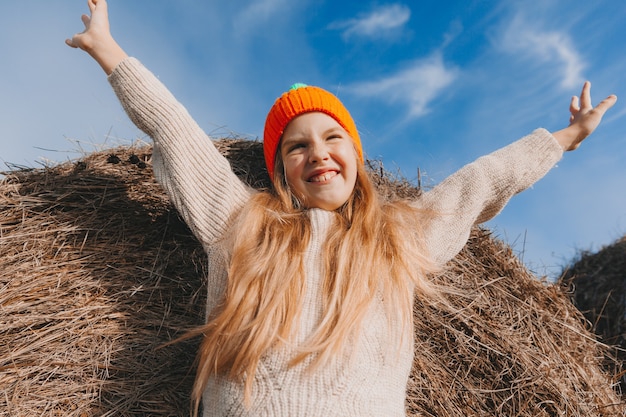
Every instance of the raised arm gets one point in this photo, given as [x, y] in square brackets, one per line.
[480, 190]
[196, 177]
[96, 39]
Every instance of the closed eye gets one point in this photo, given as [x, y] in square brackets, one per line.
[295, 146]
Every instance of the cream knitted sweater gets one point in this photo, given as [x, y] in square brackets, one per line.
[205, 191]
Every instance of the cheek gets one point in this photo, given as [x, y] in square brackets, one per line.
[353, 164]
[293, 169]
[351, 155]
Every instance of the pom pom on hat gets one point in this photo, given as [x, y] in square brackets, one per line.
[300, 99]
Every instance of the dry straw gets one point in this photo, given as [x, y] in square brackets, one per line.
[97, 272]
[597, 282]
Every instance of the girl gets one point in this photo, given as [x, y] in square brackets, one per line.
[311, 283]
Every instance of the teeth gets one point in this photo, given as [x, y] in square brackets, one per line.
[323, 177]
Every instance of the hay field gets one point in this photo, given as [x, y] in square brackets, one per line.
[97, 271]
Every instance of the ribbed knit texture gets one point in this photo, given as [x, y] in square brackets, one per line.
[206, 192]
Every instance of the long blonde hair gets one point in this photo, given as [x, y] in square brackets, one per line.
[373, 248]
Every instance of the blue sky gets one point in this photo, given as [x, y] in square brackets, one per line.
[431, 85]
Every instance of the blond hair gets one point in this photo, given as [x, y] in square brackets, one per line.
[374, 248]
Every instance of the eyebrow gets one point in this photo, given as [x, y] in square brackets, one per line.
[291, 139]
[334, 128]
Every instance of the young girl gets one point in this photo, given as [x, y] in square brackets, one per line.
[311, 283]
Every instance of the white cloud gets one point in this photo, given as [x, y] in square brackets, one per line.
[260, 12]
[416, 86]
[379, 22]
[455, 29]
[551, 47]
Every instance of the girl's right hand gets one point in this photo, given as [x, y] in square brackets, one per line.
[96, 39]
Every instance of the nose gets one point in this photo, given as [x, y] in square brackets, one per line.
[318, 152]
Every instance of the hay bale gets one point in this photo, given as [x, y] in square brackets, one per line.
[97, 272]
[510, 346]
[597, 283]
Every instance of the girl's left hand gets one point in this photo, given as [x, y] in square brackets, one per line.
[584, 118]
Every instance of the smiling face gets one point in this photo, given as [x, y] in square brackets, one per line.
[320, 161]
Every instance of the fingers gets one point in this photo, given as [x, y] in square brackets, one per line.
[585, 105]
[96, 3]
[606, 104]
[86, 19]
[74, 42]
[585, 96]
[70, 41]
[573, 105]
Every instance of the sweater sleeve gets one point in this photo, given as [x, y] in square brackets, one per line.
[197, 178]
[478, 191]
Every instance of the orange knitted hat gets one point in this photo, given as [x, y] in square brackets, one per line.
[301, 99]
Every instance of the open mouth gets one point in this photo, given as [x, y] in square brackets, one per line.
[323, 177]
